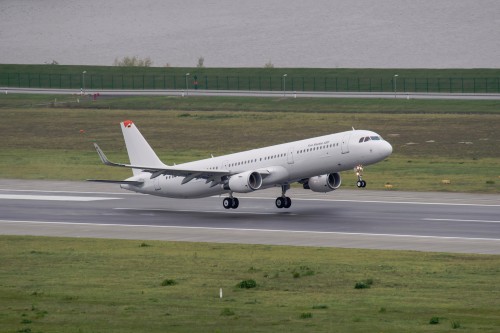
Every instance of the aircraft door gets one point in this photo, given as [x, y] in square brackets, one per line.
[345, 143]
[157, 184]
[290, 156]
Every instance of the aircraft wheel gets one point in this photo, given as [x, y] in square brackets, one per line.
[363, 183]
[227, 203]
[359, 183]
[280, 202]
[288, 202]
[235, 204]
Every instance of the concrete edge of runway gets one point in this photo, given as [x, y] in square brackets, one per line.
[249, 236]
[255, 93]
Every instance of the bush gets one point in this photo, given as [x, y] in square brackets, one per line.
[269, 64]
[434, 321]
[247, 284]
[201, 62]
[168, 282]
[306, 315]
[320, 306]
[455, 324]
[227, 312]
[134, 61]
[363, 284]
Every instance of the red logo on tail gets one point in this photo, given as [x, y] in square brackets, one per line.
[128, 123]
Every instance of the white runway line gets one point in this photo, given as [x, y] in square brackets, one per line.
[305, 232]
[52, 197]
[457, 220]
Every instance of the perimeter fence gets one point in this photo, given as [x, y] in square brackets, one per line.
[254, 83]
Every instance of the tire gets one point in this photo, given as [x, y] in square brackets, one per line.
[235, 204]
[280, 202]
[288, 202]
[227, 203]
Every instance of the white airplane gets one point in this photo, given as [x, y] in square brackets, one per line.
[315, 163]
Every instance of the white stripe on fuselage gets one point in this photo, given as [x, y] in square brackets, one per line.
[302, 159]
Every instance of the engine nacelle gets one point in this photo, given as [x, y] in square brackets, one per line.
[244, 182]
[324, 183]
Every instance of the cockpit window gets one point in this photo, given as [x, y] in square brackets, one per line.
[368, 138]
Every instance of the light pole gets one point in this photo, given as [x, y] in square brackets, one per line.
[284, 84]
[187, 89]
[83, 82]
[395, 84]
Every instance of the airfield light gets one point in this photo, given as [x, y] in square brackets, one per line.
[83, 82]
[395, 84]
[187, 89]
[284, 84]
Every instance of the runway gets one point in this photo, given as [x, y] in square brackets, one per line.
[442, 222]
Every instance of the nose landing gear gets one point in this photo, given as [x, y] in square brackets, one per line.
[359, 173]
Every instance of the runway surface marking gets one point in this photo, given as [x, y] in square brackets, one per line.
[52, 197]
[251, 230]
[71, 192]
[457, 220]
[205, 211]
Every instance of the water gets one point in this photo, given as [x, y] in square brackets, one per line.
[239, 33]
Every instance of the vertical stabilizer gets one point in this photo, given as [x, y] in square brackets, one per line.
[138, 149]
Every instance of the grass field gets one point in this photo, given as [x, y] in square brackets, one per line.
[90, 285]
[431, 142]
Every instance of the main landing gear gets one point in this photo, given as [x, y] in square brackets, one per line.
[230, 202]
[283, 201]
[359, 172]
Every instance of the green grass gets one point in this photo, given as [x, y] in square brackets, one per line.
[92, 285]
[47, 143]
[256, 104]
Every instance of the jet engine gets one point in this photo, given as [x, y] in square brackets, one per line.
[324, 183]
[244, 182]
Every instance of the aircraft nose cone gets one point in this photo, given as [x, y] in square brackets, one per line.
[387, 149]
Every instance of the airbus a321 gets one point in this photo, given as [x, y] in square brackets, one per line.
[315, 163]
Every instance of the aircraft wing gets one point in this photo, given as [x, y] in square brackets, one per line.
[214, 176]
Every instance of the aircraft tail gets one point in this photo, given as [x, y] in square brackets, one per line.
[138, 149]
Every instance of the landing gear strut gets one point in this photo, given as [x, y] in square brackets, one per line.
[359, 172]
[283, 201]
[230, 202]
